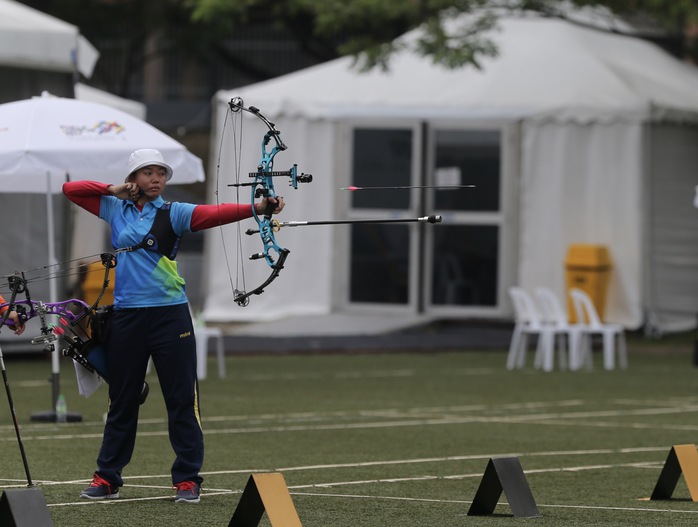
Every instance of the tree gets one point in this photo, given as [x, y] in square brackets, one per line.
[132, 35]
[368, 29]
[211, 42]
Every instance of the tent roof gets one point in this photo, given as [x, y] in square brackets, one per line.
[545, 67]
[84, 92]
[32, 39]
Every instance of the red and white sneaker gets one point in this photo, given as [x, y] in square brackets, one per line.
[187, 492]
[100, 489]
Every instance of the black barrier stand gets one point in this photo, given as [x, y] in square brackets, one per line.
[504, 474]
[24, 508]
[265, 493]
[682, 459]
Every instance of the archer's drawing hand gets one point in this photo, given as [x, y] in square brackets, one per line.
[127, 191]
[278, 201]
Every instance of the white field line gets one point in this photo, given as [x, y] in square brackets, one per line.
[474, 457]
[578, 468]
[612, 424]
[390, 462]
[446, 412]
[302, 376]
[556, 419]
[305, 376]
[428, 500]
[358, 374]
[297, 489]
[131, 500]
[299, 416]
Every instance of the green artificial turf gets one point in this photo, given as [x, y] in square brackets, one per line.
[382, 439]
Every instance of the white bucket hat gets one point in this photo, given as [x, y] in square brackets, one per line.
[146, 157]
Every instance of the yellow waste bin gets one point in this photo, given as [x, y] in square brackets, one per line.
[93, 283]
[588, 267]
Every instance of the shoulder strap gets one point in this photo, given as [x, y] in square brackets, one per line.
[161, 237]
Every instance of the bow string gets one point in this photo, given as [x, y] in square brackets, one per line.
[262, 186]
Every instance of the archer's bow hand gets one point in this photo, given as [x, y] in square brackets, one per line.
[269, 206]
[17, 322]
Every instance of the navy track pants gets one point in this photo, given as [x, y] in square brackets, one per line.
[167, 334]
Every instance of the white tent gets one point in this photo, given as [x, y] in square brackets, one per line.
[31, 39]
[600, 138]
[83, 92]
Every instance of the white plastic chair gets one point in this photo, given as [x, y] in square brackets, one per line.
[589, 319]
[528, 322]
[554, 314]
[203, 335]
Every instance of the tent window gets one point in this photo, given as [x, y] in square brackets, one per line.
[382, 158]
[465, 273]
[380, 263]
[468, 157]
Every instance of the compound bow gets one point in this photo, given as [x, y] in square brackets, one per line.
[71, 313]
[262, 185]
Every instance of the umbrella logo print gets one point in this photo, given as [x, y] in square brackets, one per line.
[102, 128]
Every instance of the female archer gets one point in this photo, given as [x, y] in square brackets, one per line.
[151, 316]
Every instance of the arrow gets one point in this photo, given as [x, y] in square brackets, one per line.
[448, 187]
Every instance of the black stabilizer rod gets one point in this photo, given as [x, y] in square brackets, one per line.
[423, 219]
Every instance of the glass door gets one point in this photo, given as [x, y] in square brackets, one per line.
[382, 268]
[471, 254]
[460, 267]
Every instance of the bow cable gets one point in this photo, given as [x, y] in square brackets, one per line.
[58, 269]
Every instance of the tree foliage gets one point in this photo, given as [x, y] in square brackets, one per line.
[369, 29]
[133, 34]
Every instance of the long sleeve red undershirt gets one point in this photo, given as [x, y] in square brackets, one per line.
[87, 194]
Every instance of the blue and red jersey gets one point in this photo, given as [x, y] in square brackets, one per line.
[147, 278]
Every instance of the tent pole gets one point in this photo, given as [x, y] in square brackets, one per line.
[53, 297]
[53, 292]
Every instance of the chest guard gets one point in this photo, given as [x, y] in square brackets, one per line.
[161, 238]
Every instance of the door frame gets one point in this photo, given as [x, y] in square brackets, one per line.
[505, 218]
[420, 281]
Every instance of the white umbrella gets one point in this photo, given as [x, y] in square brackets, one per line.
[59, 136]
[46, 140]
